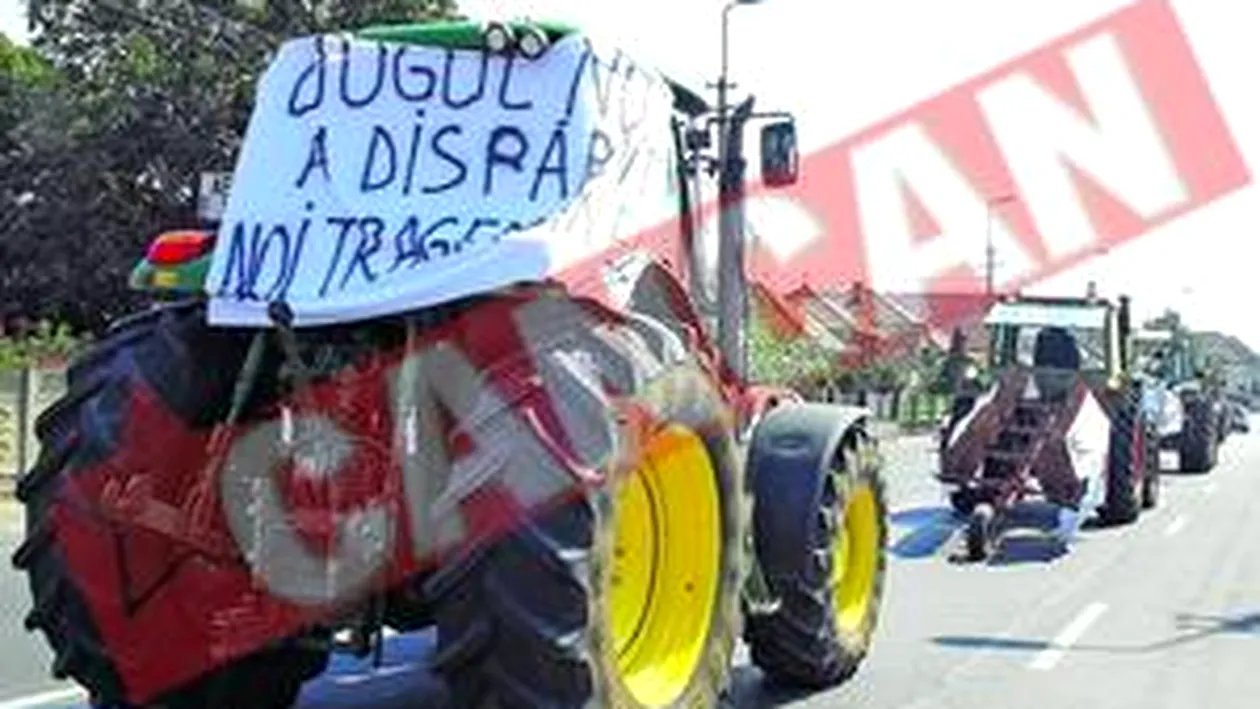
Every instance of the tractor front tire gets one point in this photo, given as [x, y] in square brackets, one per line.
[625, 594]
[829, 609]
[168, 350]
[1197, 444]
[1152, 480]
[1122, 499]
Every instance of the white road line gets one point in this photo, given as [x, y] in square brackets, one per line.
[1048, 658]
[1175, 526]
[31, 701]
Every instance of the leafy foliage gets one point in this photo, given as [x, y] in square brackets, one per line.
[107, 122]
[784, 361]
[46, 343]
[801, 362]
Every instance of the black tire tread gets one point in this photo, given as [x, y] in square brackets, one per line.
[800, 645]
[517, 618]
[1197, 445]
[1122, 501]
[270, 679]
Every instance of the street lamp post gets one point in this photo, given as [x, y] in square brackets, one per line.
[989, 255]
[732, 299]
[723, 84]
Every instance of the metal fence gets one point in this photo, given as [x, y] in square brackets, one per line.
[920, 410]
[24, 394]
[910, 409]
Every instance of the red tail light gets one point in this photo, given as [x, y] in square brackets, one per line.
[173, 248]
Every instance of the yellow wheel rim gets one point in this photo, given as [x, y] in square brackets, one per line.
[855, 558]
[666, 567]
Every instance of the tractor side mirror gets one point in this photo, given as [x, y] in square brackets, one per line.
[780, 157]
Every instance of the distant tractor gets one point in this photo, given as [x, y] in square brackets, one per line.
[1239, 418]
[1189, 410]
[1061, 419]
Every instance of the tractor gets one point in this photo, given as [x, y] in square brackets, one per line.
[1061, 418]
[376, 397]
[1189, 409]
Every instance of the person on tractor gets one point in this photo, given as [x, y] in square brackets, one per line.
[1056, 360]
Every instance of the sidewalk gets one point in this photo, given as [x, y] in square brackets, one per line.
[11, 518]
[885, 430]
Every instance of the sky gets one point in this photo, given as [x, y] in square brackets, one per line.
[843, 67]
[13, 19]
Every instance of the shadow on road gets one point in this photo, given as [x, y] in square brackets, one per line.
[930, 529]
[403, 680]
[1025, 537]
[1027, 547]
[1196, 628]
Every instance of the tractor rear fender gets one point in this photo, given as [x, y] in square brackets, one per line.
[792, 451]
[756, 401]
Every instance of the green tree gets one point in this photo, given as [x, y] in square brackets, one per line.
[25, 78]
[121, 109]
[45, 344]
[785, 361]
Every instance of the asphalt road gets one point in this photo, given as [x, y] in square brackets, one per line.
[1164, 614]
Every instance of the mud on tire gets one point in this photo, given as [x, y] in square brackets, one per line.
[165, 349]
[528, 620]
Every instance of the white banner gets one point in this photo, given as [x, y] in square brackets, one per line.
[377, 178]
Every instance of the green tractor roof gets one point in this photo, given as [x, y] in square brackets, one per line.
[456, 34]
[1050, 313]
[471, 35]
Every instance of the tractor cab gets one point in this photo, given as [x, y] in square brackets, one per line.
[1059, 339]
[1166, 355]
[1169, 360]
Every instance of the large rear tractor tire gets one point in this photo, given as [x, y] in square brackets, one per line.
[626, 594]
[170, 350]
[829, 609]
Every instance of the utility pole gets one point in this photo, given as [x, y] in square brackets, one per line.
[990, 256]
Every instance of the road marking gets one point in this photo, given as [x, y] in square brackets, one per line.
[1048, 658]
[1175, 526]
[38, 700]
